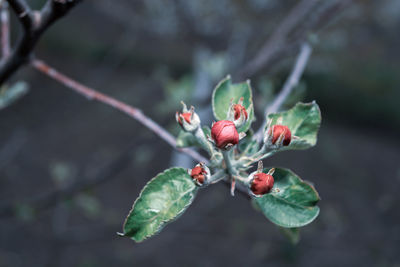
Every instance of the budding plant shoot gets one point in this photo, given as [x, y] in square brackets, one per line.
[233, 151]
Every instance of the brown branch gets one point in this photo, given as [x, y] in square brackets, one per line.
[34, 24]
[133, 112]
[5, 29]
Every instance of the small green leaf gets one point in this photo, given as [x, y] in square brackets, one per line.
[162, 200]
[224, 92]
[303, 121]
[292, 203]
[292, 234]
[248, 145]
[186, 139]
[9, 95]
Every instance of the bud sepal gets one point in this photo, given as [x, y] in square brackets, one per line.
[277, 136]
[238, 114]
[188, 119]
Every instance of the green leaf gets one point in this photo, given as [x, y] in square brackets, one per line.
[163, 199]
[292, 234]
[224, 92]
[291, 203]
[8, 95]
[185, 139]
[248, 145]
[303, 121]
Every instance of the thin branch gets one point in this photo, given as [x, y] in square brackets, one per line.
[34, 24]
[290, 83]
[133, 112]
[5, 29]
[293, 78]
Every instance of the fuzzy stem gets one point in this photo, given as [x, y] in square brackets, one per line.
[266, 155]
[205, 144]
[229, 166]
[218, 176]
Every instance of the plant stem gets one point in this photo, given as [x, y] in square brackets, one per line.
[205, 144]
[228, 162]
[218, 176]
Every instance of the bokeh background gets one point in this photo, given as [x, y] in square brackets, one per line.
[70, 168]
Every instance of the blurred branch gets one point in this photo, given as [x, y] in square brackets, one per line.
[5, 29]
[293, 31]
[291, 82]
[51, 198]
[133, 112]
[34, 24]
[23, 13]
[278, 38]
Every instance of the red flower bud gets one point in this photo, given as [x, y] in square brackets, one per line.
[238, 108]
[198, 174]
[186, 116]
[224, 134]
[278, 130]
[262, 183]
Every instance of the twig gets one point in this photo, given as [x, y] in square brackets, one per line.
[133, 112]
[293, 78]
[5, 29]
[34, 24]
[288, 86]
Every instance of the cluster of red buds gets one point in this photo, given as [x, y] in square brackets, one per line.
[237, 113]
[261, 183]
[224, 135]
[188, 119]
[277, 136]
[200, 174]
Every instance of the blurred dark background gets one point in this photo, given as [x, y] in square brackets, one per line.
[70, 168]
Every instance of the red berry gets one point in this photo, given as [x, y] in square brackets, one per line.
[262, 183]
[238, 109]
[224, 133]
[277, 130]
[198, 174]
[186, 116]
